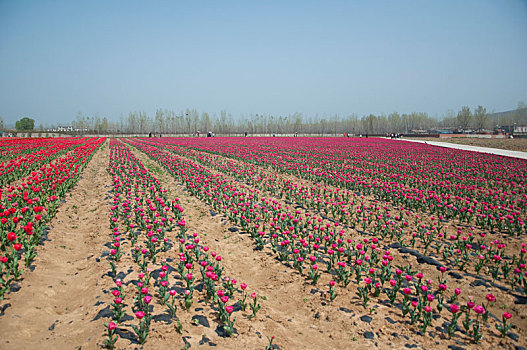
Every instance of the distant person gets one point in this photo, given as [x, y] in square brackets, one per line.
[197, 133]
[246, 134]
[209, 134]
[150, 135]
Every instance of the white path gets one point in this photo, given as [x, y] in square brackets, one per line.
[500, 152]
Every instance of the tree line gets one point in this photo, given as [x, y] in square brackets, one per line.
[191, 121]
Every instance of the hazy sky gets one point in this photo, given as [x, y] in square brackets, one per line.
[110, 57]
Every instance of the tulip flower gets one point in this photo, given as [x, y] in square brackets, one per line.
[504, 327]
[111, 338]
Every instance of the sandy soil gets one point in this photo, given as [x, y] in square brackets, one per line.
[508, 144]
[63, 303]
[58, 302]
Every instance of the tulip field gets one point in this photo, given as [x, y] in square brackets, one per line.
[29, 202]
[270, 243]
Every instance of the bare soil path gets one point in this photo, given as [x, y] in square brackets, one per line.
[57, 304]
[516, 148]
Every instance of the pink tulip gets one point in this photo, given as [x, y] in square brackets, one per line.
[428, 308]
[479, 309]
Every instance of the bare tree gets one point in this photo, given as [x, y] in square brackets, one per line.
[464, 117]
[195, 120]
[521, 113]
[205, 122]
[480, 117]
[297, 117]
[159, 121]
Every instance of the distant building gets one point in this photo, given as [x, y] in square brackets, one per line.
[65, 128]
[61, 129]
[418, 131]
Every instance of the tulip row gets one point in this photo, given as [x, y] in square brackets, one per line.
[13, 147]
[25, 210]
[297, 241]
[144, 219]
[32, 156]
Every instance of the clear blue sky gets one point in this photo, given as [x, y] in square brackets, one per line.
[110, 57]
